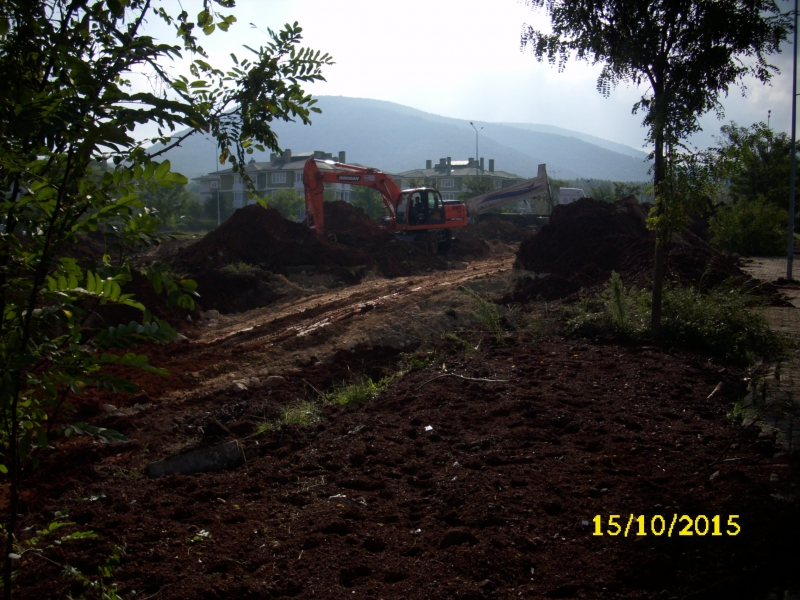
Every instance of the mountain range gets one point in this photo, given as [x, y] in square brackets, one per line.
[397, 138]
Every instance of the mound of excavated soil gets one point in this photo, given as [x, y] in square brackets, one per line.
[586, 240]
[351, 227]
[257, 236]
[495, 229]
[266, 244]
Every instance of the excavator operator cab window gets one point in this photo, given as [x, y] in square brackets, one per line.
[434, 207]
[422, 207]
[402, 209]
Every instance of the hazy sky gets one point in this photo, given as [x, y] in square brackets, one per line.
[462, 60]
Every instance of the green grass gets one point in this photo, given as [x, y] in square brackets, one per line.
[363, 389]
[487, 313]
[299, 414]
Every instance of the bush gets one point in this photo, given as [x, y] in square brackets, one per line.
[370, 202]
[288, 202]
[720, 322]
[750, 227]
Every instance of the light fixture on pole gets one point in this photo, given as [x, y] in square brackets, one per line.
[477, 159]
[790, 245]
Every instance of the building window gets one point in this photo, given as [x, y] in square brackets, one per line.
[214, 184]
[448, 195]
[498, 183]
[278, 178]
[226, 182]
[448, 183]
[262, 181]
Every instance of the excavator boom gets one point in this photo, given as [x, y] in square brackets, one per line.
[317, 172]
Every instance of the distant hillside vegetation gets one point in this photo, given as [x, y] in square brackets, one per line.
[396, 138]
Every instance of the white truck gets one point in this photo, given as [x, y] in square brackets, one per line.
[568, 195]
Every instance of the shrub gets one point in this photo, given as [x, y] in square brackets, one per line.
[288, 202]
[720, 322]
[750, 227]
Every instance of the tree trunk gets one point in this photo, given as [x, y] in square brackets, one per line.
[659, 257]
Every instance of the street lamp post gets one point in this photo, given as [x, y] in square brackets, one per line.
[477, 157]
[790, 249]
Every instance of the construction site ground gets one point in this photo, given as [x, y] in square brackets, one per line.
[485, 469]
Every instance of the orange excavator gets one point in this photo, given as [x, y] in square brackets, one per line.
[417, 214]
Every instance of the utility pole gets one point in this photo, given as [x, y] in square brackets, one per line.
[477, 157]
[790, 248]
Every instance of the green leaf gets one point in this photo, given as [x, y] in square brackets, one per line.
[161, 171]
[176, 178]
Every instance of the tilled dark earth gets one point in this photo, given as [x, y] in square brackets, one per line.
[441, 487]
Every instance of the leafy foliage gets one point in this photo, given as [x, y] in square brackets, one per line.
[686, 190]
[70, 164]
[720, 322]
[687, 53]
[167, 203]
[750, 227]
[603, 191]
[288, 202]
[369, 200]
[754, 161]
[475, 186]
[623, 189]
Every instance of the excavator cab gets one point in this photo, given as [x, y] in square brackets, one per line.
[421, 206]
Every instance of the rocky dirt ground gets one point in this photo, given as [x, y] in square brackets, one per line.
[481, 471]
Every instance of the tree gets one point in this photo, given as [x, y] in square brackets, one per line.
[66, 106]
[624, 190]
[687, 52]
[754, 161]
[750, 226]
[168, 203]
[475, 186]
[602, 191]
[288, 202]
[369, 200]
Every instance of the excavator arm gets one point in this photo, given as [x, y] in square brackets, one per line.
[318, 172]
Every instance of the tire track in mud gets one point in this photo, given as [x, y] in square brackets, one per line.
[270, 327]
[256, 340]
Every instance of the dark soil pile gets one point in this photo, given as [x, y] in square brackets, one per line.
[269, 244]
[495, 229]
[586, 240]
[257, 236]
[351, 227]
[439, 488]
[469, 249]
